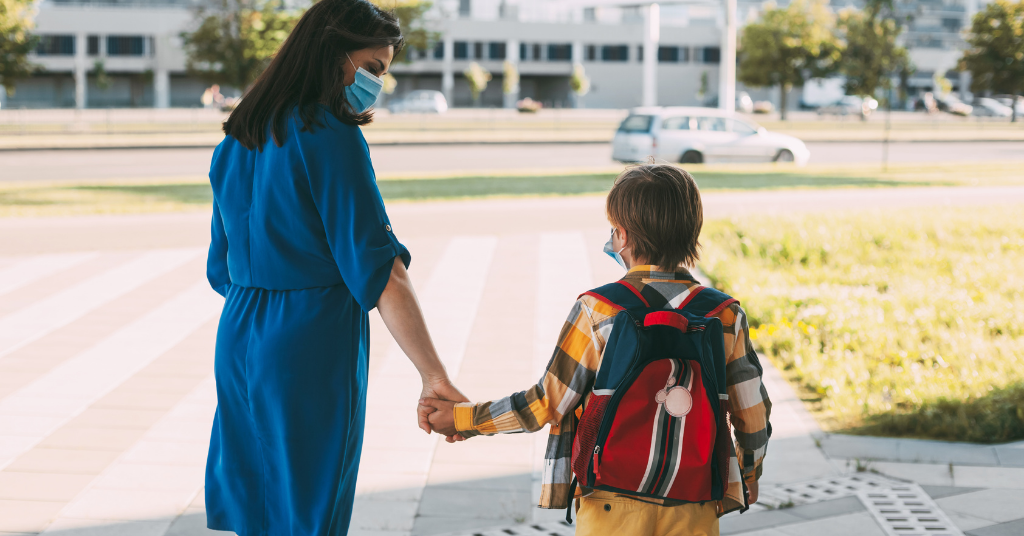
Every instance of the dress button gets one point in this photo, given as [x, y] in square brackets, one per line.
[387, 228]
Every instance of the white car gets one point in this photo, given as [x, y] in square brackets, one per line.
[986, 107]
[424, 101]
[698, 135]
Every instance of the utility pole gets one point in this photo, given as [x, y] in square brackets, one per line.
[652, 34]
[727, 66]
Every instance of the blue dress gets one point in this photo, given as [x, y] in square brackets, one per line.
[301, 249]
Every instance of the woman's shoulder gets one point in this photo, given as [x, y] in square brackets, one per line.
[318, 126]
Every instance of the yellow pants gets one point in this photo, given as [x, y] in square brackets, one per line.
[606, 514]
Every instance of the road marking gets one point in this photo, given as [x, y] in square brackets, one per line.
[32, 413]
[449, 300]
[563, 274]
[168, 486]
[37, 267]
[21, 327]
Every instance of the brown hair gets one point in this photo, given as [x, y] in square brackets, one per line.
[659, 207]
[307, 70]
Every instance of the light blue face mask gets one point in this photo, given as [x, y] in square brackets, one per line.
[608, 248]
[364, 90]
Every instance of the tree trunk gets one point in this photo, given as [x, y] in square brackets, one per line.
[783, 90]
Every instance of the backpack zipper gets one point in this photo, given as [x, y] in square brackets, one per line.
[596, 465]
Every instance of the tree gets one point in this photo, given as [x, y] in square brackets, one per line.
[788, 46]
[234, 42]
[411, 18]
[871, 55]
[15, 42]
[579, 82]
[995, 57]
[477, 77]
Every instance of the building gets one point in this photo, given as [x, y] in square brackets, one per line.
[128, 53]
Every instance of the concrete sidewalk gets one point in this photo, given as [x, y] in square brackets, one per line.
[106, 396]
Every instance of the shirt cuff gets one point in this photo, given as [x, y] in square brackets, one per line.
[464, 419]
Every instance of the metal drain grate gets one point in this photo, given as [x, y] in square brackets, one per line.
[906, 510]
[825, 489]
[557, 528]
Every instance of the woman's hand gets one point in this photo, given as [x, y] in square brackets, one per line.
[443, 390]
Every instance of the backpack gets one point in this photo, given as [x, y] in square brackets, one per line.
[655, 425]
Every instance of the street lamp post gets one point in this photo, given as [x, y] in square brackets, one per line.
[727, 65]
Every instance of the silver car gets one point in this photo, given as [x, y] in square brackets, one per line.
[699, 135]
[423, 101]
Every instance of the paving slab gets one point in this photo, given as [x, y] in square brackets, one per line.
[99, 527]
[1013, 528]
[921, 473]
[941, 492]
[838, 507]
[748, 521]
[922, 451]
[27, 516]
[1010, 456]
[995, 505]
[858, 524]
[192, 523]
[989, 477]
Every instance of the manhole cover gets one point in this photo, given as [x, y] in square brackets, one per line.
[906, 510]
[825, 489]
[557, 528]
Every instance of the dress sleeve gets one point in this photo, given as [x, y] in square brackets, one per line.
[217, 260]
[344, 190]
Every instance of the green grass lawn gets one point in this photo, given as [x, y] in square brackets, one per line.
[906, 323]
[177, 194]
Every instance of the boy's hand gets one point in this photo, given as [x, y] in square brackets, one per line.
[752, 492]
[441, 414]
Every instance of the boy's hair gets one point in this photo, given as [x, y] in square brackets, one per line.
[659, 207]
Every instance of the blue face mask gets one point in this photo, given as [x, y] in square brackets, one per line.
[609, 249]
[364, 90]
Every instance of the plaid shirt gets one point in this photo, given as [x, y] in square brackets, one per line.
[570, 374]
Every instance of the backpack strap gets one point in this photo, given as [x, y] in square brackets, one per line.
[620, 295]
[706, 301]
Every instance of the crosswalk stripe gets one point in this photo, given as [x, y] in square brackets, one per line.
[563, 274]
[449, 300]
[27, 416]
[37, 267]
[26, 325]
[169, 485]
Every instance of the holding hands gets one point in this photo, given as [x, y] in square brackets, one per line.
[440, 415]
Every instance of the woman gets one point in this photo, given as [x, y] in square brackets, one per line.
[301, 249]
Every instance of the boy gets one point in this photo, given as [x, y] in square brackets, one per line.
[656, 214]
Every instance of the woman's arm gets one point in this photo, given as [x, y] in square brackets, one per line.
[401, 313]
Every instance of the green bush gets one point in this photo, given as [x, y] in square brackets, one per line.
[904, 323]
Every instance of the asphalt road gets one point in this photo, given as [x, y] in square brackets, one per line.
[126, 164]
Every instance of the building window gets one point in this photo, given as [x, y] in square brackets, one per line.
[951, 24]
[684, 54]
[640, 53]
[56, 45]
[536, 52]
[465, 7]
[589, 14]
[439, 51]
[560, 52]
[591, 53]
[615, 53]
[126, 45]
[461, 50]
[668, 54]
[496, 51]
[478, 51]
[93, 45]
[522, 52]
[712, 55]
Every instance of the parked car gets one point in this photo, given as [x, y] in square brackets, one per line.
[952, 104]
[850, 105]
[423, 101]
[743, 102]
[691, 135]
[1008, 101]
[986, 107]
